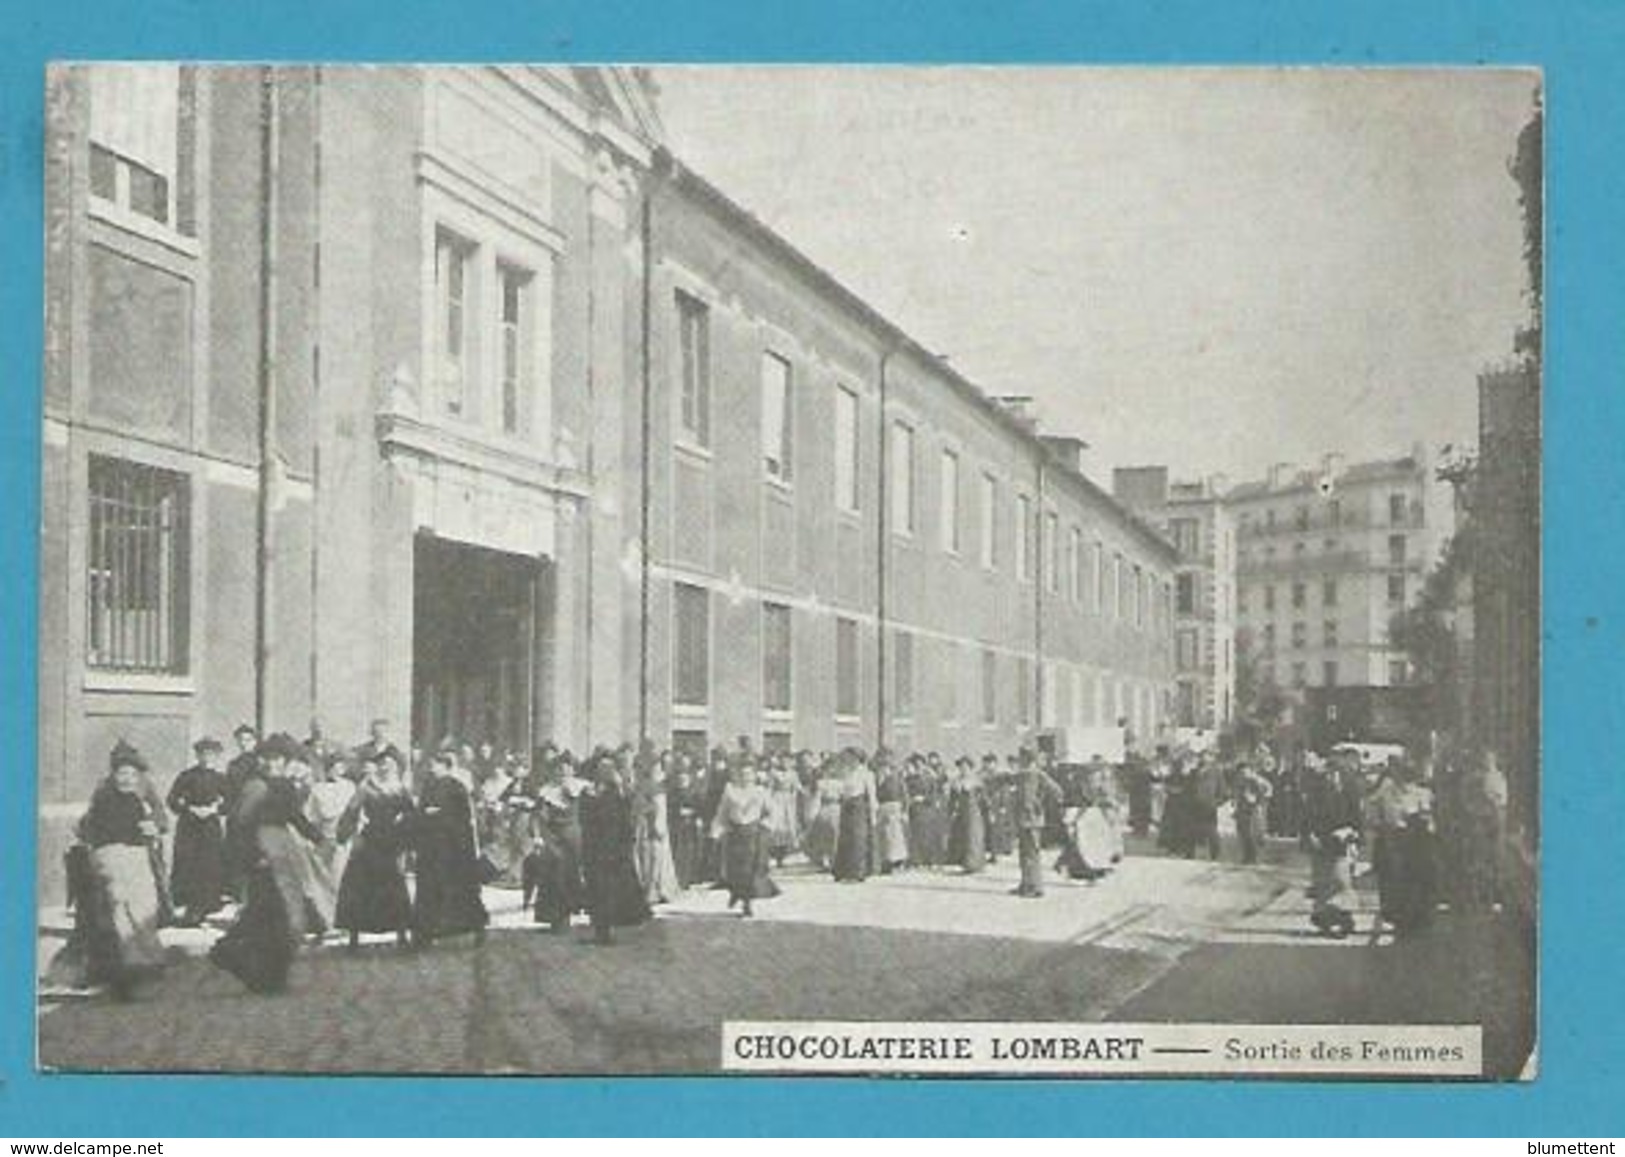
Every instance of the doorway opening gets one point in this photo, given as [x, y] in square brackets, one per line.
[479, 650]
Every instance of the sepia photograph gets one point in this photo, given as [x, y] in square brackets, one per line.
[869, 570]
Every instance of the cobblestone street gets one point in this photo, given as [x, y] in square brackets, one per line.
[527, 1001]
[1160, 939]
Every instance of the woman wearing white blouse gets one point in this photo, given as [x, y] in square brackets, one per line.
[741, 827]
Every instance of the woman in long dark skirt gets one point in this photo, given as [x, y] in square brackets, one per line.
[372, 893]
[553, 867]
[854, 843]
[615, 896]
[742, 824]
[260, 946]
[1403, 852]
[967, 822]
[1000, 792]
[685, 803]
[197, 880]
[448, 901]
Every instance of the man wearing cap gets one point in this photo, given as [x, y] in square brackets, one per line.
[197, 878]
[1035, 792]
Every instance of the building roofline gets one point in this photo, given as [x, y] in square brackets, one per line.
[668, 167]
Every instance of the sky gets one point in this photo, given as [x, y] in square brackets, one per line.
[1213, 269]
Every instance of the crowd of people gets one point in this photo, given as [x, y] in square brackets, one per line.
[301, 838]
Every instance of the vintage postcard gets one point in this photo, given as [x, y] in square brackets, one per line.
[678, 570]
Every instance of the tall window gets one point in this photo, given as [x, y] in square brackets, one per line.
[1396, 550]
[1119, 582]
[1100, 577]
[1186, 535]
[902, 477]
[846, 449]
[453, 281]
[1300, 596]
[694, 344]
[1328, 673]
[691, 631]
[1329, 633]
[776, 426]
[846, 667]
[990, 520]
[1185, 597]
[948, 502]
[1024, 518]
[1396, 589]
[139, 582]
[1052, 551]
[1139, 596]
[1334, 512]
[1396, 509]
[1300, 517]
[513, 343]
[776, 657]
[1074, 563]
[1186, 654]
[1269, 637]
[903, 675]
[134, 138]
[1269, 597]
[990, 687]
[1300, 636]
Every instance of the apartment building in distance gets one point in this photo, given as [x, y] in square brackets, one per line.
[1195, 520]
[1324, 559]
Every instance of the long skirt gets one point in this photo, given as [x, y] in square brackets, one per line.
[197, 879]
[1405, 877]
[1090, 845]
[853, 844]
[372, 894]
[1331, 890]
[553, 875]
[448, 900]
[822, 834]
[893, 833]
[116, 917]
[687, 845]
[745, 863]
[258, 949]
[657, 871]
[783, 823]
[967, 835]
[927, 833]
[1001, 830]
[614, 893]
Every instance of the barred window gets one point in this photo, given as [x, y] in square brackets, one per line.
[138, 587]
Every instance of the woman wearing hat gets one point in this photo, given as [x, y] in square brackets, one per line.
[197, 880]
[448, 900]
[614, 895]
[259, 947]
[116, 908]
[967, 817]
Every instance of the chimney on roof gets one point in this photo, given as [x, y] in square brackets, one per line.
[1021, 408]
[1065, 450]
[1140, 487]
[1281, 475]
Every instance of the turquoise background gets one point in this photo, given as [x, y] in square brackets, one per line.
[1578, 44]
